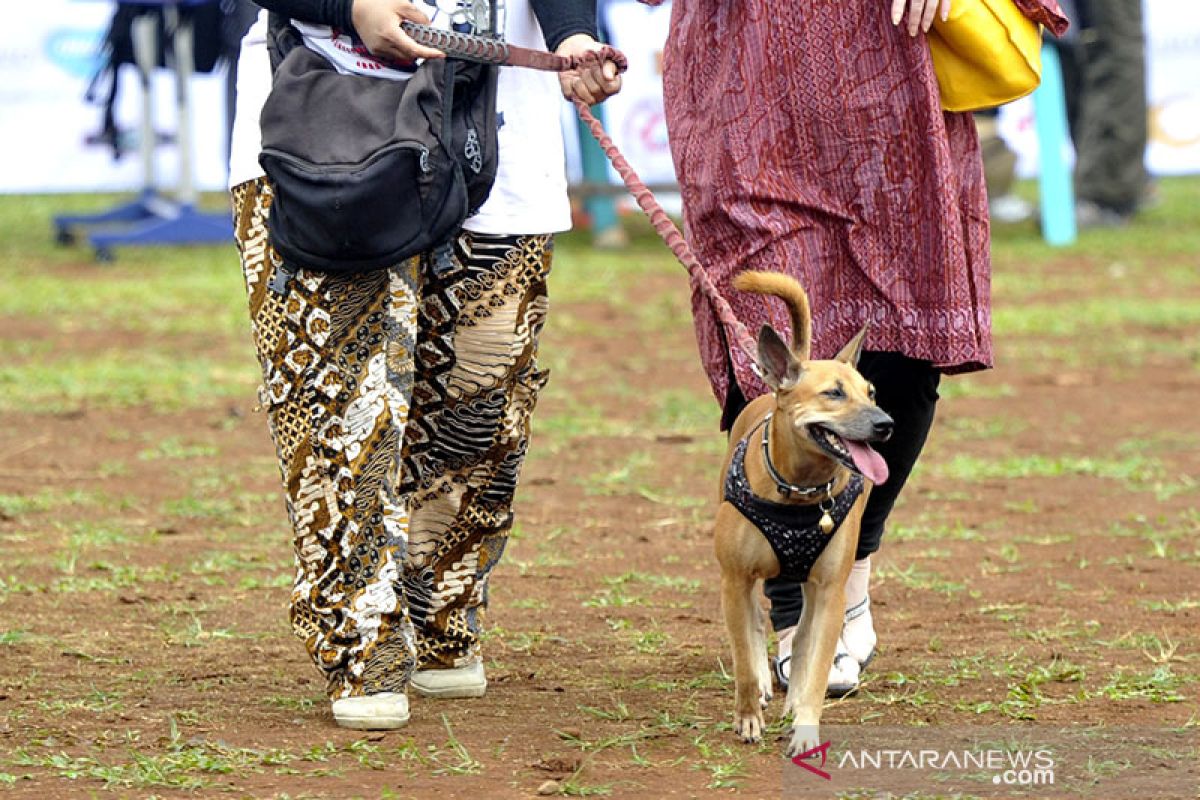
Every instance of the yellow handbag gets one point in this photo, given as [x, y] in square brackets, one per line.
[987, 53]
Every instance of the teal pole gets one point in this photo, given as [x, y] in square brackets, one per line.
[1054, 168]
[601, 209]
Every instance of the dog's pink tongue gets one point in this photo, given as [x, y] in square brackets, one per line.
[869, 463]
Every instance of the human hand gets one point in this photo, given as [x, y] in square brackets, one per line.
[377, 23]
[592, 83]
[920, 13]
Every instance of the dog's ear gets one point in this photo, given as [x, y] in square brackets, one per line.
[853, 349]
[779, 366]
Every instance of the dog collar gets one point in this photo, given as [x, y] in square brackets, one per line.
[785, 488]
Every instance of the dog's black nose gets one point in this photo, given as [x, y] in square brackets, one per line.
[882, 429]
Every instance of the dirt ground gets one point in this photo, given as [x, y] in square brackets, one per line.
[1040, 576]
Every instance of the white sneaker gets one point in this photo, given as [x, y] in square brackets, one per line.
[385, 711]
[448, 684]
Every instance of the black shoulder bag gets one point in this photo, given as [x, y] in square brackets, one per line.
[365, 171]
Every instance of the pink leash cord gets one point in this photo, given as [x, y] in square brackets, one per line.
[491, 51]
[668, 231]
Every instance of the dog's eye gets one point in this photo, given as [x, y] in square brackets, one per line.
[835, 393]
[871, 394]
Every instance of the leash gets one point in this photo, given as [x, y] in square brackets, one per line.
[486, 50]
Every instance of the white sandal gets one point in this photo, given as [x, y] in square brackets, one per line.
[855, 650]
[843, 673]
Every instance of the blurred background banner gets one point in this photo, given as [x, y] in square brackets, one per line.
[634, 118]
[1172, 88]
[46, 64]
[46, 124]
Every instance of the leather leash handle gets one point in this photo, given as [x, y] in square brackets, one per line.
[486, 50]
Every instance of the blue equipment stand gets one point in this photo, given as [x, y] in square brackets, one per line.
[1054, 168]
[152, 218]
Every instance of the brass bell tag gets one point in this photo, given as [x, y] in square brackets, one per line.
[826, 524]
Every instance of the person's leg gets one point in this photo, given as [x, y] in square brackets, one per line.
[1113, 128]
[477, 383]
[336, 355]
[907, 389]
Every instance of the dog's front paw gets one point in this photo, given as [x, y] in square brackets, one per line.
[748, 727]
[766, 681]
[804, 739]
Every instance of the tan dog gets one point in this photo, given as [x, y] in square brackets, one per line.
[799, 449]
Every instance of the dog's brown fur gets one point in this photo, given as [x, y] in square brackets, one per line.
[798, 399]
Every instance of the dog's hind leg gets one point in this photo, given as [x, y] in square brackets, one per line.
[741, 620]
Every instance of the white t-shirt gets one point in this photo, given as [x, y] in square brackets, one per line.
[530, 193]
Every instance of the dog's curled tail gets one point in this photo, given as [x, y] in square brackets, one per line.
[789, 290]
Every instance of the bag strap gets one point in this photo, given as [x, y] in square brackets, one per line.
[282, 38]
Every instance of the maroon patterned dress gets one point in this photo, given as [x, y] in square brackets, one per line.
[808, 138]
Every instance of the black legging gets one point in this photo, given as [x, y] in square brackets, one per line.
[907, 389]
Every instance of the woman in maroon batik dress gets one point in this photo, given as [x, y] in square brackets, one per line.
[808, 138]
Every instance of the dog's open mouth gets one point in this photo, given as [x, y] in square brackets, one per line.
[858, 456]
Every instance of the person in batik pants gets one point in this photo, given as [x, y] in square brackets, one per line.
[400, 412]
[399, 399]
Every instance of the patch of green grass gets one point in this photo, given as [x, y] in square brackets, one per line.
[1170, 606]
[456, 759]
[1006, 612]
[104, 576]
[687, 585]
[175, 447]
[623, 480]
[725, 764]
[679, 411]
[964, 387]
[613, 597]
[556, 431]
[85, 533]
[914, 577]
[1091, 314]
[183, 766]
[618, 713]
[980, 428]
[96, 701]
[584, 274]
[216, 509]
[1161, 685]
[927, 531]
[116, 379]
[1131, 469]
[528, 602]
[16, 505]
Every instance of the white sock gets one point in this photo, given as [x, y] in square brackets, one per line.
[858, 634]
[856, 584]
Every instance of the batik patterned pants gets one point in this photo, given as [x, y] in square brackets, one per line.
[399, 403]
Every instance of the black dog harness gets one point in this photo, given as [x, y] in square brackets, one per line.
[793, 531]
